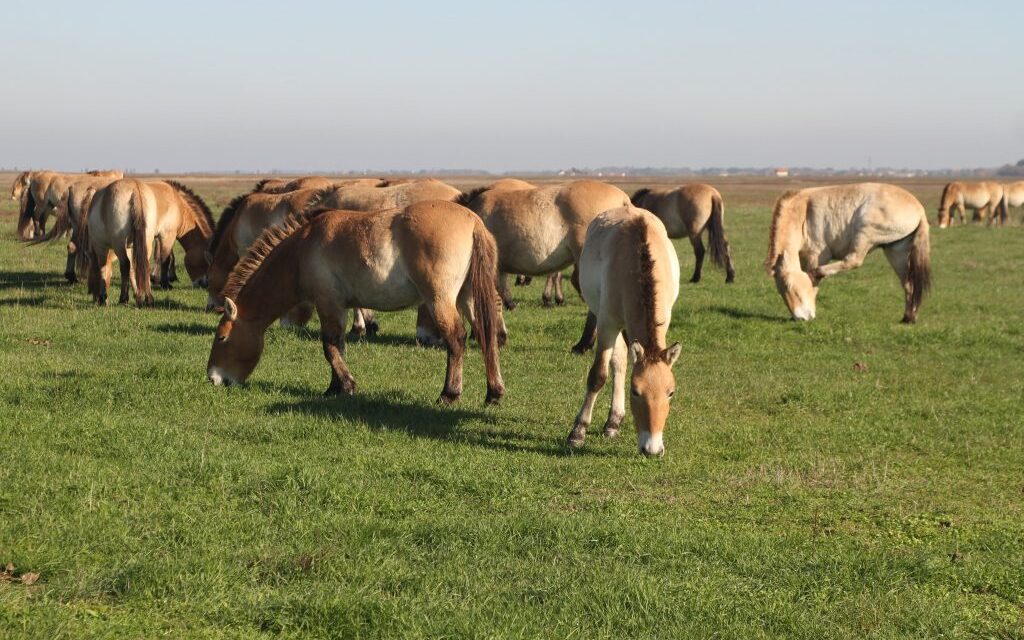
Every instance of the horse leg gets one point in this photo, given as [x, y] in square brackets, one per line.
[332, 336]
[453, 333]
[172, 271]
[126, 277]
[492, 367]
[94, 279]
[297, 316]
[589, 335]
[370, 320]
[618, 409]
[898, 254]
[523, 281]
[851, 260]
[698, 254]
[505, 292]
[69, 267]
[165, 257]
[358, 325]
[595, 381]
[559, 296]
[549, 291]
[427, 334]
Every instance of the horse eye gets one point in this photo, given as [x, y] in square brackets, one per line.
[222, 338]
[636, 392]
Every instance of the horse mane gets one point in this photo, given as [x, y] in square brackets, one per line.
[316, 201]
[470, 196]
[781, 220]
[639, 196]
[260, 250]
[202, 214]
[636, 233]
[945, 192]
[260, 184]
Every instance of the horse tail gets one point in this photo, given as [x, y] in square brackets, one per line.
[140, 243]
[483, 275]
[920, 263]
[80, 235]
[26, 220]
[718, 244]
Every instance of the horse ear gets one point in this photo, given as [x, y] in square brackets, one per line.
[672, 354]
[636, 352]
[230, 309]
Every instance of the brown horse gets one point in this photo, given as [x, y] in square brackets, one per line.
[984, 198]
[269, 185]
[813, 226]
[433, 252]
[688, 211]
[541, 231]
[629, 278]
[133, 214]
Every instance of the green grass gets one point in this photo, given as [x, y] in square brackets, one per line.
[800, 496]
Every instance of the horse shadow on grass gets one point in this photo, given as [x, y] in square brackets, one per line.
[29, 280]
[741, 314]
[186, 328]
[395, 410]
[29, 301]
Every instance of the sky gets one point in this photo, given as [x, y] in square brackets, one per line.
[511, 86]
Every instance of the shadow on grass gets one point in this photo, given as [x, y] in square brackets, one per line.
[740, 314]
[29, 280]
[173, 305]
[33, 301]
[396, 411]
[186, 328]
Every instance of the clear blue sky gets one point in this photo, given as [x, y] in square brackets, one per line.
[514, 85]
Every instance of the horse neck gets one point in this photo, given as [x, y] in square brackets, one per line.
[789, 233]
[274, 288]
[641, 313]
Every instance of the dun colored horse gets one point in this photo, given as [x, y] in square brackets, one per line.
[434, 252]
[541, 231]
[1013, 196]
[984, 198]
[812, 227]
[629, 278]
[688, 211]
[132, 214]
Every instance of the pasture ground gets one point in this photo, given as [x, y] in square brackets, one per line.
[850, 477]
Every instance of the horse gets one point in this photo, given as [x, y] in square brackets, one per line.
[30, 188]
[434, 252]
[1013, 196]
[552, 293]
[984, 198]
[268, 185]
[541, 230]
[49, 188]
[812, 226]
[130, 213]
[688, 211]
[71, 194]
[629, 278]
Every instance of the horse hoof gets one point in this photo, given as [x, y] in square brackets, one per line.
[546, 301]
[510, 305]
[372, 328]
[580, 349]
[695, 279]
[729, 279]
[355, 335]
[494, 396]
[502, 338]
[560, 301]
[448, 397]
[576, 438]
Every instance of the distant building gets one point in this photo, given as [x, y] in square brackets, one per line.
[782, 173]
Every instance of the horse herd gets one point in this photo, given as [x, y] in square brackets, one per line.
[289, 248]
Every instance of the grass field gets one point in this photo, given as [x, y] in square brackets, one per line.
[850, 477]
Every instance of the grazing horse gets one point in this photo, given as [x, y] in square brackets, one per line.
[31, 187]
[57, 187]
[542, 230]
[72, 193]
[268, 185]
[813, 226]
[629, 278]
[688, 211]
[553, 286]
[434, 252]
[1013, 196]
[984, 198]
[130, 213]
